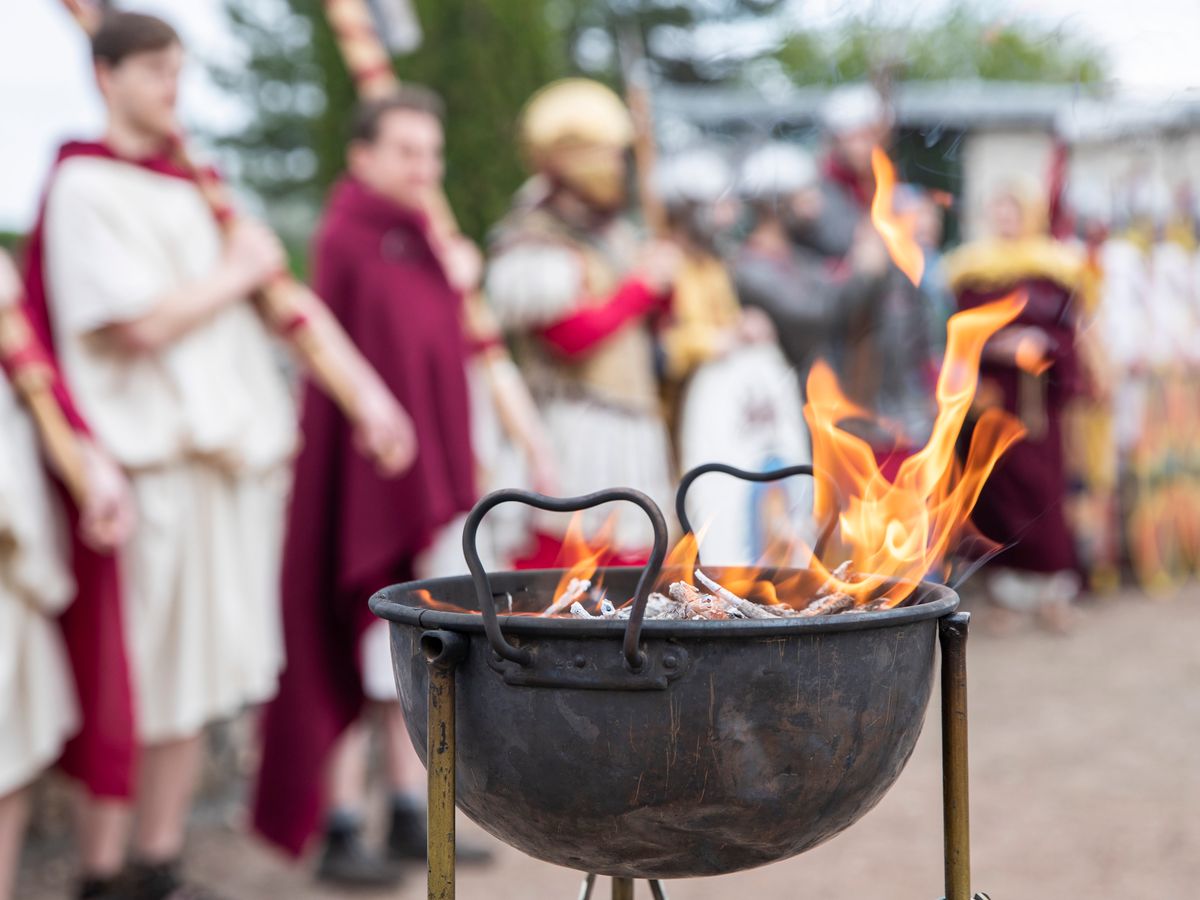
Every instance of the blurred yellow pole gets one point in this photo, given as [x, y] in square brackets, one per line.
[34, 383]
[370, 68]
[952, 631]
[443, 651]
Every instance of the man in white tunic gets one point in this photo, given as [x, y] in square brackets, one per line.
[38, 709]
[179, 378]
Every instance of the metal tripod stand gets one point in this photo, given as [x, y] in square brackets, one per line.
[444, 655]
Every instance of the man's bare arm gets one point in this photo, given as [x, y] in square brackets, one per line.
[252, 255]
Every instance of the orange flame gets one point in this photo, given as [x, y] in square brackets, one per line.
[681, 561]
[897, 530]
[904, 528]
[580, 556]
[898, 231]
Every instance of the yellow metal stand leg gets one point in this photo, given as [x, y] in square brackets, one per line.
[955, 799]
[443, 650]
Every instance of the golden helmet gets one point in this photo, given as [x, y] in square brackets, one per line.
[573, 112]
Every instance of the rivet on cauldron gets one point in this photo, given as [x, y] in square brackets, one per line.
[580, 661]
[670, 661]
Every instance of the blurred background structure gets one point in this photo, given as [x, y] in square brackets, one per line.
[270, 90]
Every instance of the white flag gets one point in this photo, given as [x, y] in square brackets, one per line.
[398, 25]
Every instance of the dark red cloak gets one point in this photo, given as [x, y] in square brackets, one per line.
[102, 755]
[1022, 503]
[351, 532]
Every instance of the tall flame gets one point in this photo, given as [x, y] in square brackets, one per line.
[578, 555]
[891, 532]
[898, 231]
[904, 528]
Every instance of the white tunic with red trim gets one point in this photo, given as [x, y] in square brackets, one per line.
[205, 428]
[38, 712]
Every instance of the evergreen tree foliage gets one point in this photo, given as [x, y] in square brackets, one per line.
[485, 57]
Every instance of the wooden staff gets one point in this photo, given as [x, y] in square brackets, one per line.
[370, 66]
[33, 376]
[288, 306]
[645, 150]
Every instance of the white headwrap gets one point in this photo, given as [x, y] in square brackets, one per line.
[698, 175]
[853, 107]
[776, 170]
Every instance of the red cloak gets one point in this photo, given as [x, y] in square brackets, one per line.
[102, 754]
[351, 532]
[1021, 506]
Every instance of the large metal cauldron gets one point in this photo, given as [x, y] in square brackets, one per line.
[664, 749]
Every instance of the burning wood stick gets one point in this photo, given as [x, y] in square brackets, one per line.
[575, 590]
[841, 574]
[746, 607]
[687, 602]
[828, 605]
[660, 606]
[698, 605]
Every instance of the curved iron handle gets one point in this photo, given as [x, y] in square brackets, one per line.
[483, 589]
[774, 475]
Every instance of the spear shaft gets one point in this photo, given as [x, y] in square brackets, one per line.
[370, 66]
[635, 74]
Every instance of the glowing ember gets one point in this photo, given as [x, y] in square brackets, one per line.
[581, 558]
[898, 231]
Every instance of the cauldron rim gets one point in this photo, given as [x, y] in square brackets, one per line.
[932, 602]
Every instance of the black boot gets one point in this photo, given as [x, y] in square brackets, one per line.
[147, 881]
[93, 888]
[408, 837]
[347, 862]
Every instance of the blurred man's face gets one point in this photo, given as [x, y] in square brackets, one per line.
[1007, 221]
[725, 214]
[595, 173]
[928, 216]
[404, 163]
[805, 205]
[141, 91]
[854, 147]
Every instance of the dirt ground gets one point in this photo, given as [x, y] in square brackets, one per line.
[1085, 755]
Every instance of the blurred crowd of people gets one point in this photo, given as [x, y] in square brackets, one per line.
[1134, 475]
[224, 544]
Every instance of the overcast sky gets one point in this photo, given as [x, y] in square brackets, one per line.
[46, 93]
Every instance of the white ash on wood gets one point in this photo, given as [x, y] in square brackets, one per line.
[712, 601]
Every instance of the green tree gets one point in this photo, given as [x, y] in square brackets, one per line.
[485, 57]
[963, 42]
[685, 41]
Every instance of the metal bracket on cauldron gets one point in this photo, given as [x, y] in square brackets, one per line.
[757, 477]
[551, 665]
[519, 663]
